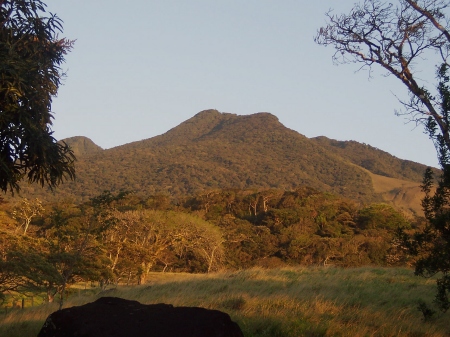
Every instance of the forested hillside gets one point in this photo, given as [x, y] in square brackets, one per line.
[373, 159]
[214, 150]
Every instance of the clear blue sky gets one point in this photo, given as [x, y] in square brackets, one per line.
[140, 68]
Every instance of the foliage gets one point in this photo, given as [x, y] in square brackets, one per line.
[31, 55]
[73, 249]
[26, 211]
[381, 216]
[432, 244]
[60, 248]
[303, 226]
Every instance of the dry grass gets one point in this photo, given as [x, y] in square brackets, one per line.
[282, 302]
[403, 194]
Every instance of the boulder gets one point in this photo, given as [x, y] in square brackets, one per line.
[117, 317]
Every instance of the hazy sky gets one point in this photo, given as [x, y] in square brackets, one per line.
[142, 67]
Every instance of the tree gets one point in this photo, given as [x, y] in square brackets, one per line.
[24, 264]
[26, 211]
[31, 55]
[73, 249]
[432, 244]
[400, 39]
[135, 240]
[198, 237]
[381, 216]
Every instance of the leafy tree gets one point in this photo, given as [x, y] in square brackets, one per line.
[9, 280]
[432, 244]
[24, 264]
[73, 249]
[31, 55]
[380, 216]
[135, 240]
[400, 38]
[26, 211]
[199, 238]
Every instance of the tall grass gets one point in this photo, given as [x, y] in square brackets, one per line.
[281, 302]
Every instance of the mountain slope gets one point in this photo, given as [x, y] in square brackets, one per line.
[375, 160]
[403, 194]
[214, 150]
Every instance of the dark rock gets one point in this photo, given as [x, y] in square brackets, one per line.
[116, 317]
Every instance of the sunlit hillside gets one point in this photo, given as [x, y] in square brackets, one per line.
[214, 150]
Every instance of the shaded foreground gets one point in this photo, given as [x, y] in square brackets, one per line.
[284, 302]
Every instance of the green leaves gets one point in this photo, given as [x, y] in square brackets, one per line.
[381, 216]
[432, 244]
[31, 56]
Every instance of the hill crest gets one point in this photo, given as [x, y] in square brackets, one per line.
[82, 146]
[214, 150]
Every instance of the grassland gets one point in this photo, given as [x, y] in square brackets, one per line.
[402, 194]
[283, 302]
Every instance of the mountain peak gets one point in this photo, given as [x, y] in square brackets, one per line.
[211, 122]
[209, 113]
[213, 114]
[82, 146]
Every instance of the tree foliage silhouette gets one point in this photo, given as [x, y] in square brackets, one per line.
[31, 55]
[432, 245]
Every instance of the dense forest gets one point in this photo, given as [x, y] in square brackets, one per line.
[121, 237]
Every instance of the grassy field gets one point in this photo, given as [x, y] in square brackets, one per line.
[283, 302]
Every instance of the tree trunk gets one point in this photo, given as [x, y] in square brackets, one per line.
[27, 223]
[50, 296]
[61, 295]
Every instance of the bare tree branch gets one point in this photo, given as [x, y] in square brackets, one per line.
[398, 38]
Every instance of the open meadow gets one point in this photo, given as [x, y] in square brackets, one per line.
[285, 302]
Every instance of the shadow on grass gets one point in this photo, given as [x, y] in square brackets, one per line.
[271, 327]
[288, 302]
[27, 328]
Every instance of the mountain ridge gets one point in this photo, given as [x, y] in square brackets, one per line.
[375, 160]
[214, 150]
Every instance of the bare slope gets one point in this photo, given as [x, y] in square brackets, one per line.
[402, 194]
[397, 181]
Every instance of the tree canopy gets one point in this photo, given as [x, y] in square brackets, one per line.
[31, 55]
